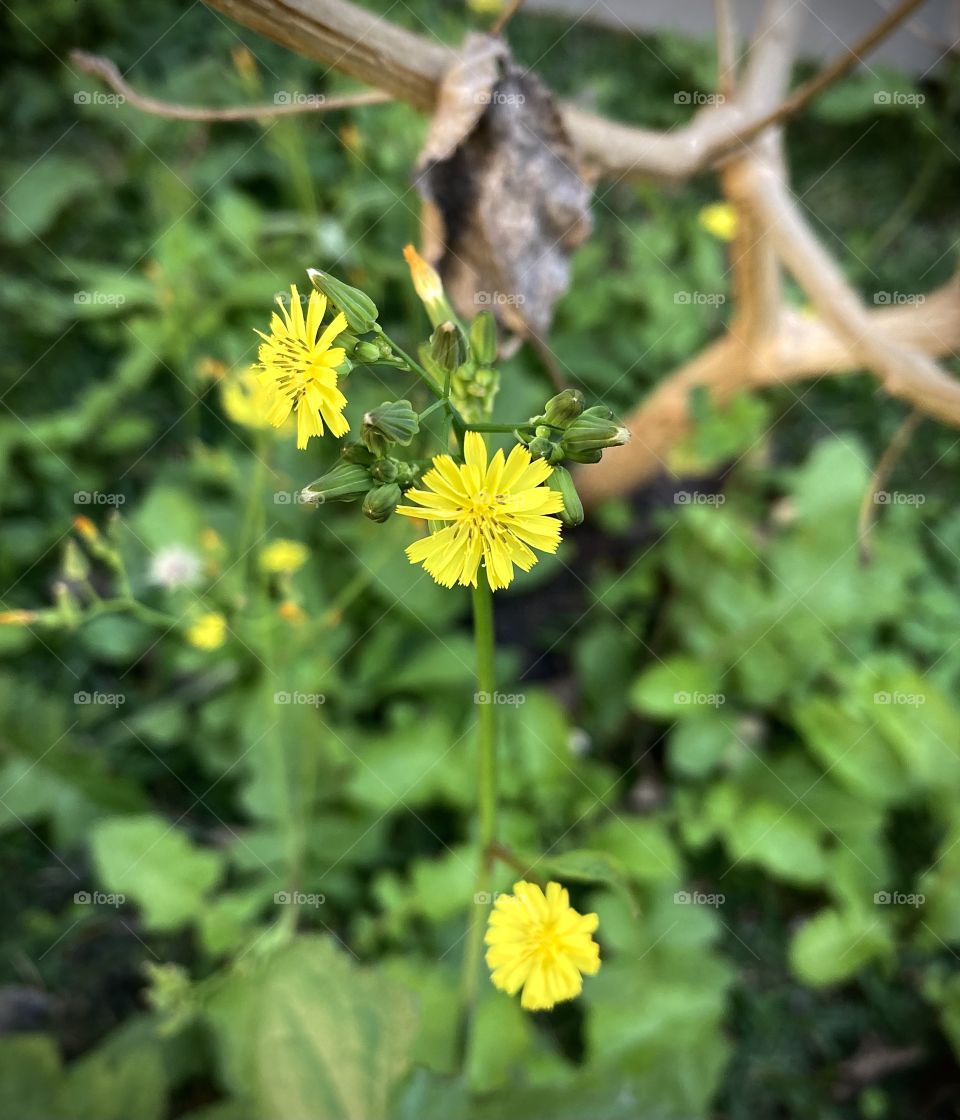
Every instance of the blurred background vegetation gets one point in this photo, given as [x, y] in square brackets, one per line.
[141, 253]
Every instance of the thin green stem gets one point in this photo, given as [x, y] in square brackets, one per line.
[523, 426]
[487, 802]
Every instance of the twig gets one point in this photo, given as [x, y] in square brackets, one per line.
[104, 68]
[832, 72]
[885, 464]
[726, 47]
[505, 16]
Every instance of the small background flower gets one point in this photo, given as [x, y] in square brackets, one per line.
[283, 556]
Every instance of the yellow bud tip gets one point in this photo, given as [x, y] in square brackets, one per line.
[292, 612]
[425, 278]
[86, 528]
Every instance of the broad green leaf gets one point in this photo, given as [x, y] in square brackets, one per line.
[835, 944]
[155, 865]
[307, 1033]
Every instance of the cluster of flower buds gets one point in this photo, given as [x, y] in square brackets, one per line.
[366, 471]
[568, 431]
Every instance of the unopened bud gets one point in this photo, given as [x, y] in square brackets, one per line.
[344, 483]
[391, 422]
[564, 408]
[381, 501]
[358, 308]
[592, 432]
[561, 481]
[448, 347]
[385, 470]
[428, 286]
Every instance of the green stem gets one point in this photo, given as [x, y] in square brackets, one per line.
[487, 802]
[523, 426]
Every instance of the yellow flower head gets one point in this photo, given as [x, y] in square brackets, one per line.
[209, 632]
[283, 556]
[246, 400]
[538, 942]
[721, 219]
[497, 513]
[300, 368]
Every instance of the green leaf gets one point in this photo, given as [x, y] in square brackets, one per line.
[155, 865]
[306, 1033]
[778, 838]
[835, 944]
[678, 688]
[584, 866]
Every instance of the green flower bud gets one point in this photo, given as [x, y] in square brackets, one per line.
[541, 448]
[561, 481]
[349, 341]
[366, 352]
[483, 338]
[391, 422]
[384, 470]
[357, 453]
[592, 431]
[408, 474]
[448, 349]
[69, 610]
[564, 408]
[360, 310]
[381, 501]
[344, 483]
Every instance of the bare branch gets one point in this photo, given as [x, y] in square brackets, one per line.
[803, 349]
[104, 68]
[348, 38]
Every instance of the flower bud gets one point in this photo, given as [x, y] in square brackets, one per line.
[384, 470]
[591, 432]
[366, 352]
[428, 286]
[358, 308]
[541, 448]
[381, 501]
[391, 422]
[76, 567]
[561, 481]
[344, 483]
[448, 348]
[483, 339]
[564, 408]
[356, 453]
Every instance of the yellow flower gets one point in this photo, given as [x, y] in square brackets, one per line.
[486, 7]
[283, 556]
[721, 219]
[498, 513]
[246, 400]
[209, 632]
[541, 944]
[300, 369]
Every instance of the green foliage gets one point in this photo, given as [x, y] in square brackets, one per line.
[760, 741]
